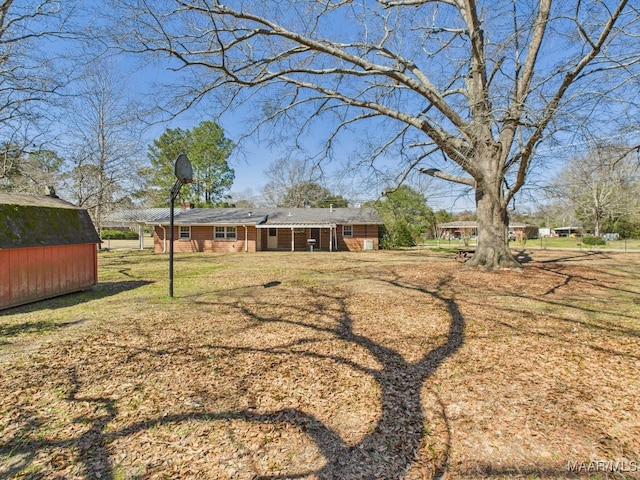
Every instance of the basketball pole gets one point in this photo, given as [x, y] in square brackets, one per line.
[184, 173]
[175, 190]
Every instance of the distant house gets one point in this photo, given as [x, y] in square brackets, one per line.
[459, 229]
[568, 231]
[48, 247]
[269, 229]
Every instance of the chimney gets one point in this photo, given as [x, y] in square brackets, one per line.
[331, 207]
[50, 191]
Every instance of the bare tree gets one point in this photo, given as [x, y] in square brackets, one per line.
[284, 175]
[32, 77]
[245, 199]
[463, 90]
[105, 146]
[603, 184]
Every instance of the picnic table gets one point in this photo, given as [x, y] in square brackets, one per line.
[463, 253]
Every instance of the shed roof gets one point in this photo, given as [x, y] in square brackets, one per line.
[34, 221]
[270, 217]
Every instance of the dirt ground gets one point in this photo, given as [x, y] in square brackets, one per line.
[377, 365]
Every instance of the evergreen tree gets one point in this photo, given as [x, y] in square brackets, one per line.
[208, 150]
[406, 217]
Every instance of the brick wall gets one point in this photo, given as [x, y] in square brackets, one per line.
[361, 233]
[202, 240]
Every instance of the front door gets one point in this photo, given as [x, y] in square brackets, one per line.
[272, 239]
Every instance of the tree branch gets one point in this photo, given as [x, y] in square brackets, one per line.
[550, 110]
[434, 172]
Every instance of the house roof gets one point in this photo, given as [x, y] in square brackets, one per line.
[322, 216]
[566, 228]
[460, 224]
[275, 217]
[34, 221]
[474, 224]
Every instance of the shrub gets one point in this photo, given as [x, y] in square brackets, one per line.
[119, 235]
[398, 235]
[591, 240]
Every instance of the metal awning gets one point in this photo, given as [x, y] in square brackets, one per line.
[296, 225]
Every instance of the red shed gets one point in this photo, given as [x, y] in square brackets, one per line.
[48, 247]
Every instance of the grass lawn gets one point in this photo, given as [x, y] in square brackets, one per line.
[320, 365]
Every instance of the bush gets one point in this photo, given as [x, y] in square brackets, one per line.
[591, 240]
[398, 235]
[119, 235]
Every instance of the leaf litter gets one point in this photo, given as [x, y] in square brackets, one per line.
[375, 365]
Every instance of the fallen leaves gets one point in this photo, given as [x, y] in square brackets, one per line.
[403, 366]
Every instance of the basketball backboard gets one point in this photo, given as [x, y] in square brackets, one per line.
[183, 170]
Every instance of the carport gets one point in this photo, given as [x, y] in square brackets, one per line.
[311, 233]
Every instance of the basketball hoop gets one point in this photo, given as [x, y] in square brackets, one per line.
[184, 174]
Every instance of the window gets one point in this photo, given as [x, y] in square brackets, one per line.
[184, 233]
[347, 230]
[225, 233]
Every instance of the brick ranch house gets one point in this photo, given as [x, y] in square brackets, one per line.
[269, 229]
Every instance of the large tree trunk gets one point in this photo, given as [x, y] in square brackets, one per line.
[597, 227]
[492, 252]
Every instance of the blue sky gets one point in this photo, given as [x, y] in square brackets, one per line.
[255, 155]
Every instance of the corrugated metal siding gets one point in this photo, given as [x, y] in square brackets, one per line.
[35, 273]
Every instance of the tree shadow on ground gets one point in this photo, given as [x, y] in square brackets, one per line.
[253, 289]
[568, 277]
[36, 327]
[387, 451]
[576, 256]
[90, 447]
[98, 291]
[392, 446]
[594, 318]
[523, 257]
